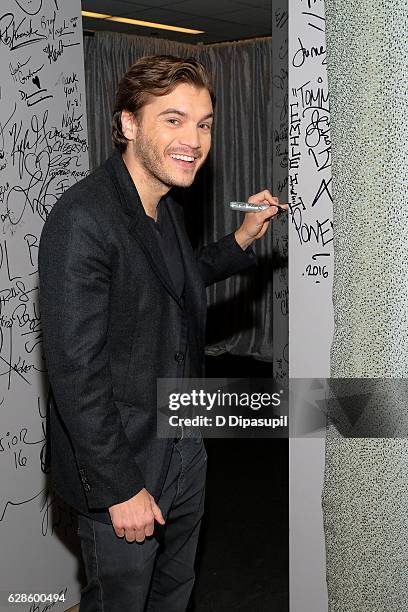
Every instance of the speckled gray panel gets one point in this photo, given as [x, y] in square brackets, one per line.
[367, 69]
[365, 496]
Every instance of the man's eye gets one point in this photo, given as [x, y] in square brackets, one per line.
[173, 121]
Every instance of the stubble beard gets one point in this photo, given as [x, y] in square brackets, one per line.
[149, 157]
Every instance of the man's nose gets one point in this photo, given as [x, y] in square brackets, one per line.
[190, 137]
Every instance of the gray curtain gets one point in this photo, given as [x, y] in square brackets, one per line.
[240, 164]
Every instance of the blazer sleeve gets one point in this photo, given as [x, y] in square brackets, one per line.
[219, 260]
[74, 271]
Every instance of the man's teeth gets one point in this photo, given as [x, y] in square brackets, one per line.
[182, 157]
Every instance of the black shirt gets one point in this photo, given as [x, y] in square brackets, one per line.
[169, 245]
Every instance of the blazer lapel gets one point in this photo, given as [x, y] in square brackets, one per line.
[139, 225]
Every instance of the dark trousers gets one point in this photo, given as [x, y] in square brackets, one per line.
[156, 575]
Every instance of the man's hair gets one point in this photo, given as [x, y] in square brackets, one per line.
[155, 75]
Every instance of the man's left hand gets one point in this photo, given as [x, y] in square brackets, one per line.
[255, 225]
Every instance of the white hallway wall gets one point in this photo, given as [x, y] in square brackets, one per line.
[43, 150]
[310, 286]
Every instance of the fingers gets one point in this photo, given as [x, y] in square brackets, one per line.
[265, 197]
[270, 212]
[149, 530]
[264, 216]
[136, 534]
[132, 535]
[120, 531]
[136, 526]
[157, 513]
[140, 534]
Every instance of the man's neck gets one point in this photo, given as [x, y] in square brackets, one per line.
[150, 190]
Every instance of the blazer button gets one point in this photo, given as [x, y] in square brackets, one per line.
[179, 357]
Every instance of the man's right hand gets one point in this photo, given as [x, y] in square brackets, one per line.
[134, 518]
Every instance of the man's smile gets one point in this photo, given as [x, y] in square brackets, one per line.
[184, 161]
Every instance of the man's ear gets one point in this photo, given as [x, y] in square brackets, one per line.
[129, 124]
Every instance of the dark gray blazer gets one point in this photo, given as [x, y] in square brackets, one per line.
[112, 324]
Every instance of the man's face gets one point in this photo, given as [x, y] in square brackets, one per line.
[173, 135]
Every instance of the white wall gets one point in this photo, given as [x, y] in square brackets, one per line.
[310, 283]
[43, 150]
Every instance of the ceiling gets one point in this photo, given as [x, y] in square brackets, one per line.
[221, 20]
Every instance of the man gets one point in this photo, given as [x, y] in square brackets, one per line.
[123, 303]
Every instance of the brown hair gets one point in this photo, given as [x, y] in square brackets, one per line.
[155, 75]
